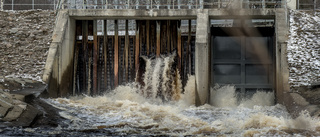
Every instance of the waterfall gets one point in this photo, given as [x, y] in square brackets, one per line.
[160, 78]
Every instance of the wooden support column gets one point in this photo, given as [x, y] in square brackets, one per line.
[168, 37]
[158, 38]
[127, 51]
[105, 52]
[85, 53]
[189, 47]
[179, 47]
[76, 56]
[148, 37]
[95, 58]
[137, 46]
[116, 54]
[89, 53]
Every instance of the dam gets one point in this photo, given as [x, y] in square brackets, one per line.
[98, 46]
[159, 68]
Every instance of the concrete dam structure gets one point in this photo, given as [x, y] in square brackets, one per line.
[99, 46]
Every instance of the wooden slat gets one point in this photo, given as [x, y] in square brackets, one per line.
[95, 58]
[127, 51]
[148, 36]
[189, 47]
[158, 38]
[76, 55]
[168, 37]
[105, 52]
[85, 52]
[89, 53]
[116, 54]
[137, 46]
[179, 46]
[75, 65]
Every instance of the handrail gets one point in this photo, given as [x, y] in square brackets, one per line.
[171, 4]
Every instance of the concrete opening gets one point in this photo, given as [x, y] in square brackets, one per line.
[107, 52]
[242, 55]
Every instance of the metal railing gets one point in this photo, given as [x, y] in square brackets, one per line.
[308, 5]
[171, 4]
[28, 4]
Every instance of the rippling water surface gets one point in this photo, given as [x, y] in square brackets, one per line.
[124, 111]
[159, 108]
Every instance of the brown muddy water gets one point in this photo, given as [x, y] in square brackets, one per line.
[133, 110]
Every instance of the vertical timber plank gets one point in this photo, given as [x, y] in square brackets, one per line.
[158, 38]
[95, 58]
[116, 54]
[168, 37]
[189, 47]
[105, 51]
[127, 50]
[85, 53]
[148, 37]
[137, 46]
[179, 46]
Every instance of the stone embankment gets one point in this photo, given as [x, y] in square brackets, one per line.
[304, 62]
[20, 104]
[25, 38]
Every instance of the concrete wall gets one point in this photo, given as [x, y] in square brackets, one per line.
[58, 69]
[292, 4]
[60, 65]
[202, 58]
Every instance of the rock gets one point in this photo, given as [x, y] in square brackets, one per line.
[27, 117]
[13, 30]
[4, 111]
[299, 100]
[8, 45]
[15, 113]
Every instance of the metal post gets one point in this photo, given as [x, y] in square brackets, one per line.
[12, 4]
[106, 4]
[1, 8]
[128, 4]
[137, 4]
[33, 4]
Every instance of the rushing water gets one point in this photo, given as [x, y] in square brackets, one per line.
[134, 109]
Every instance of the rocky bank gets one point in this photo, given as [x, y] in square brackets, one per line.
[25, 38]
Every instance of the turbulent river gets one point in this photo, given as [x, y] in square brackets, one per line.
[146, 111]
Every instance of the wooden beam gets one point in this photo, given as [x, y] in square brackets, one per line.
[127, 50]
[137, 46]
[158, 39]
[85, 53]
[95, 58]
[105, 52]
[76, 56]
[89, 53]
[168, 37]
[179, 46]
[148, 37]
[116, 54]
[189, 47]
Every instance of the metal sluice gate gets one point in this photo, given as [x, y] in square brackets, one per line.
[107, 55]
